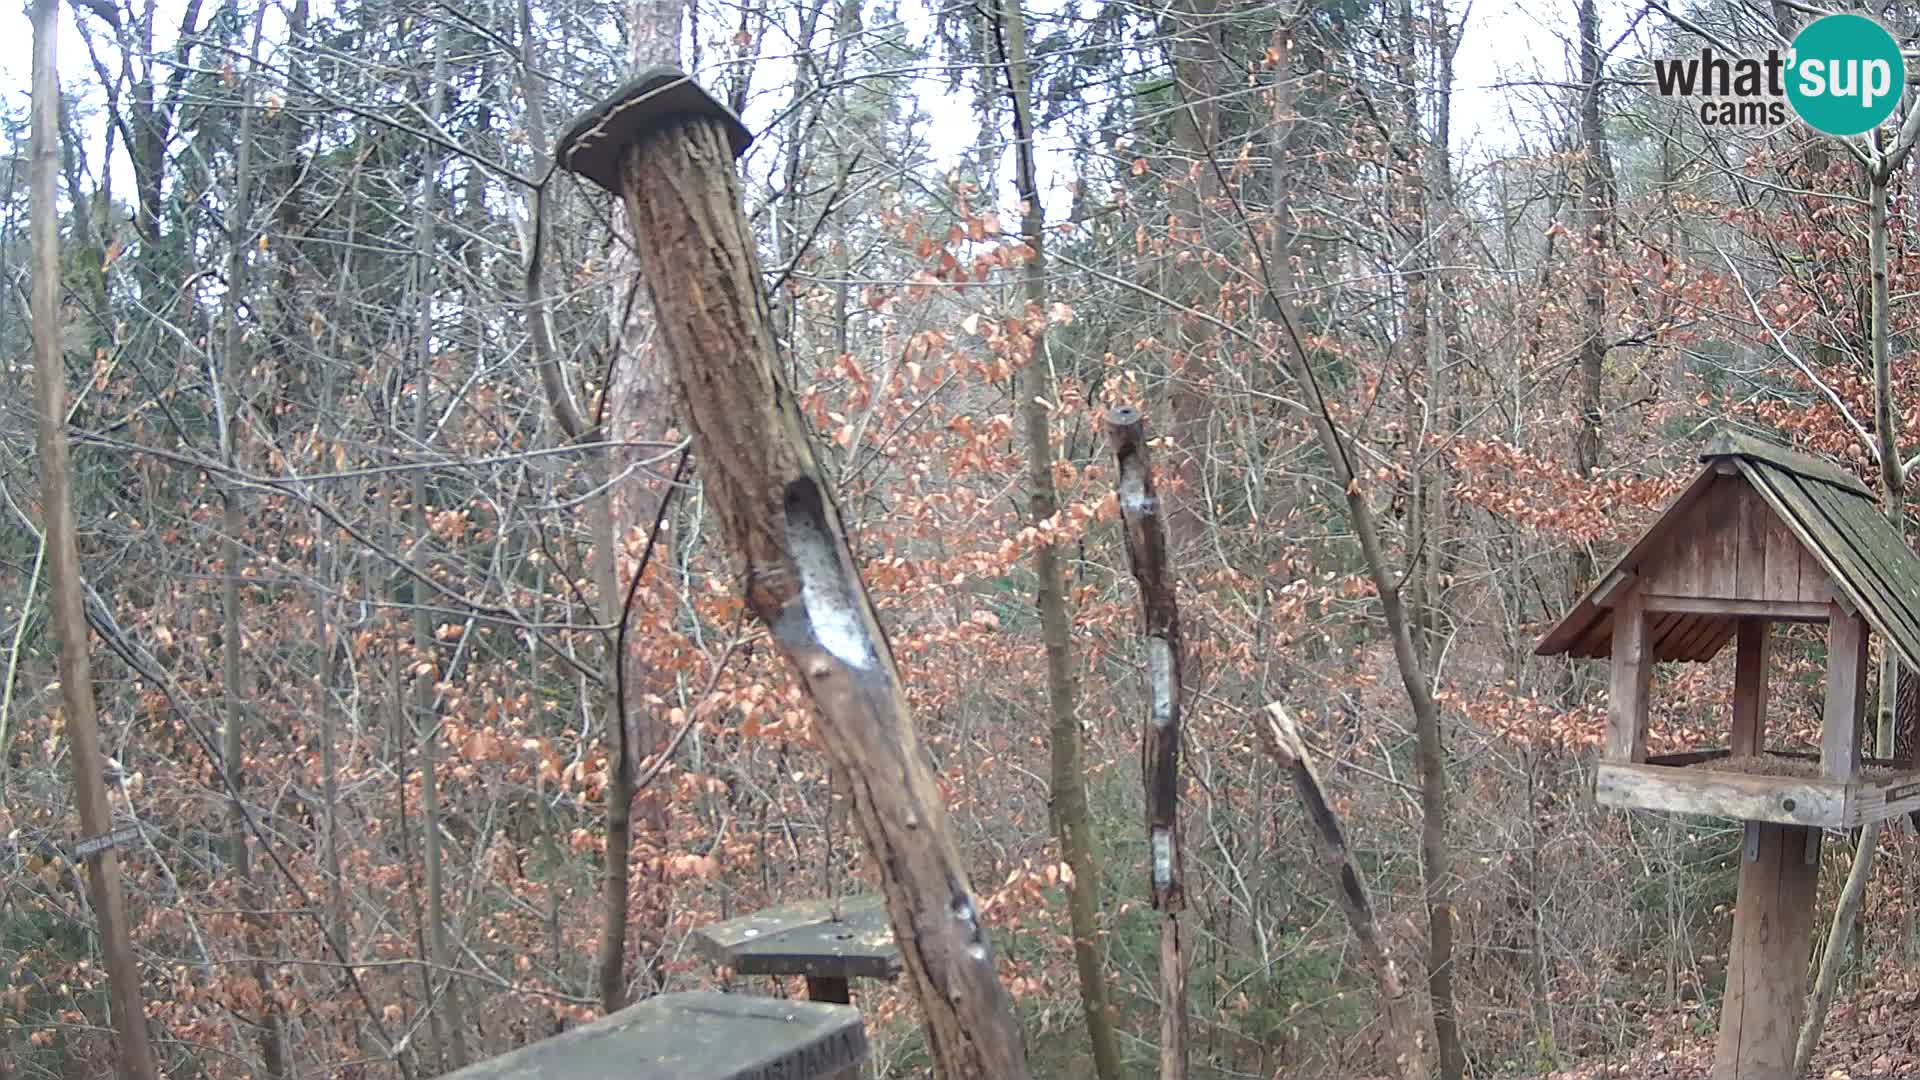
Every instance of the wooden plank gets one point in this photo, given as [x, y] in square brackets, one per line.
[1890, 798]
[1611, 587]
[1632, 672]
[1861, 533]
[1741, 796]
[1750, 687]
[1753, 520]
[1846, 696]
[1660, 630]
[805, 939]
[1685, 565]
[1783, 458]
[1767, 966]
[1598, 640]
[694, 1036]
[1785, 555]
[1699, 631]
[1718, 539]
[1722, 633]
[1779, 610]
[1798, 514]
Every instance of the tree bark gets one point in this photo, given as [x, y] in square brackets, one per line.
[767, 490]
[1071, 818]
[426, 694]
[1194, 44]
[1146, 537]
[1893, 504]
[1595, 216]
[638, 413]
[68, 614]
[233, 747]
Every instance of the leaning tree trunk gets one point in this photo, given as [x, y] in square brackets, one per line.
[667, 148]
[1282, 738]
[1071, 819]
[68, 614]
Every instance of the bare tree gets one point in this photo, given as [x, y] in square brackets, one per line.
[63, 562]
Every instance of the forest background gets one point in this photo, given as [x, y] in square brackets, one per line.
[369, 457]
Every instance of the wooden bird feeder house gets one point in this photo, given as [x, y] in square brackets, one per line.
[1763, 535]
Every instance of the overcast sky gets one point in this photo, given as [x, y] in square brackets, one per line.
[1504, 41]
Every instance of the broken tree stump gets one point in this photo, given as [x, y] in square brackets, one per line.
[1146, 535]
[695, 1036]
[1282, 738]
[667, 148]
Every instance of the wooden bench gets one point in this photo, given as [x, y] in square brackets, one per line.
[695, 1036]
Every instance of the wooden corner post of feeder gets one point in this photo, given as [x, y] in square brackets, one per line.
[667, 148]
[1762, 535]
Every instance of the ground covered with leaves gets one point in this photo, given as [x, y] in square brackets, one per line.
[1870, 1035]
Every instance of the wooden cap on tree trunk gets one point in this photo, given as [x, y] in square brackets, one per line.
[596, 142]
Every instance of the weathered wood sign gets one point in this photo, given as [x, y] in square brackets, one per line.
[123, 834]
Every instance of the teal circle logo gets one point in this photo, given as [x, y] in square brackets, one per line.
[1846, 74]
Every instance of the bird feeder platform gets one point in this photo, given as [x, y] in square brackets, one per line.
[1783, 788]
[827, 941]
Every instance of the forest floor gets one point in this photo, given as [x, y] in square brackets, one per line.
[1870, 1035]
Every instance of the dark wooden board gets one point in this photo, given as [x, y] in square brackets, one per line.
[693, 1036]
[1730, 444]
[804, 939]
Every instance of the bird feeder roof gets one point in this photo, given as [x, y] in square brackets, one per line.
[1830, 514]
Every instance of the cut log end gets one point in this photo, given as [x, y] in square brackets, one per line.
[598, 140]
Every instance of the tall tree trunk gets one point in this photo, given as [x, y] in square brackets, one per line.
[1195, 45]
[427, 670]
[1595, 217]
[639, 410]
[1071, 819]
[1893, 496]
[229, 402]
[68, 615]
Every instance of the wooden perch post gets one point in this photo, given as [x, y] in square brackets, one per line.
[1283, 741]
[667, 148]
[1146, 535]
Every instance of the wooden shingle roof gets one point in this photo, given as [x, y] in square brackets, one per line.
[1831, 513]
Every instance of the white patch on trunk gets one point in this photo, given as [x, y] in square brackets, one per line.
[1133, 491]
[833, 613]
[1162, 844]
[1160, 679]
